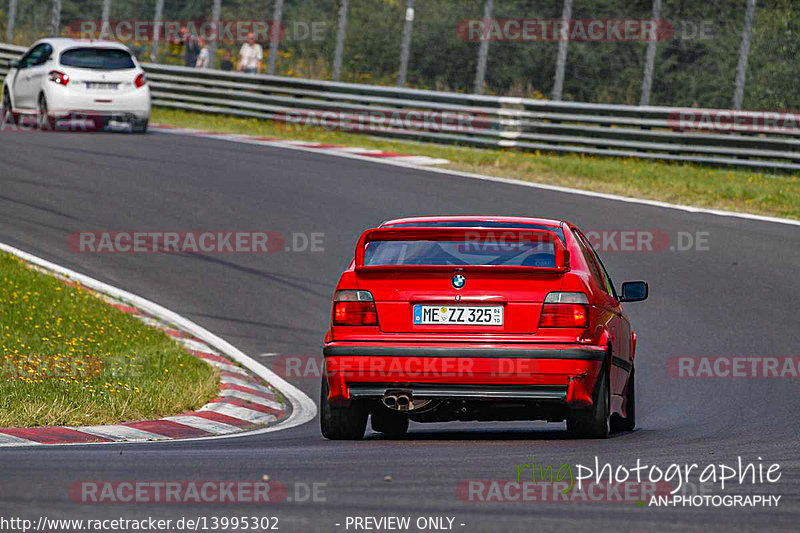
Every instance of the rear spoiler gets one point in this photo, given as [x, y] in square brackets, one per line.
[467, 235]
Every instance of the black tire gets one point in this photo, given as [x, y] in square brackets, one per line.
[7, 101]
[392, 424]
[8, 109]
[42, 114]
[141, 126]
[594, 422]
[628, 423]
[341, 422]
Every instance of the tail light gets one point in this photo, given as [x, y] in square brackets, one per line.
[140, 80]
[354, 308]
[58, 77]
[565, 310]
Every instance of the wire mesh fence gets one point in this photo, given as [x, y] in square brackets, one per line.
[697, 45]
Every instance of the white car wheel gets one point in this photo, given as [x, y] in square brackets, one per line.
[42, 114]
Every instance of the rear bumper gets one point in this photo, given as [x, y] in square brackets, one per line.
[564, 373]
[133, 102]
[428, 391]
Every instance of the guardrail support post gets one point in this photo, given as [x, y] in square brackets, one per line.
[650, 59]
[12, 15]
[106, 14]
[156, 29]
[55, 18]
[216, 9]
[483, 51]
[405, 46]
[744, 53]
[561, 59]
[341, 31]
[275, 36]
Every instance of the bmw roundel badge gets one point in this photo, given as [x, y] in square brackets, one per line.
[459, 281]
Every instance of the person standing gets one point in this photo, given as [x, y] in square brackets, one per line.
[227, 61]
[204, 57]
[250, 56]
[191, 48]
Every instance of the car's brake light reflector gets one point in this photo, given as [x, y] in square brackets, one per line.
[565, 310]
[354, 308]
[140, 80]
[59, 77]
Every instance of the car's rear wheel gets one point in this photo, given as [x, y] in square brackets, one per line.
[594, 422]
[627, 423]
[42, 114]
[340, 422]
[8, 112]
[141, 126]
[6, 101]
[392, 424]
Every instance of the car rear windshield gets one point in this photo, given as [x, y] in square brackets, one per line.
[97, 58]
[446, 253]
[472, 224]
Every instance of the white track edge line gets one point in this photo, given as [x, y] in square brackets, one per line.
[303, 408]
[511, 181]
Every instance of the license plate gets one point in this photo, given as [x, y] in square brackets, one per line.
[483, 315]
[101, 85]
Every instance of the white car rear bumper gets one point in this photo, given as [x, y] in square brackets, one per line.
[136, 103]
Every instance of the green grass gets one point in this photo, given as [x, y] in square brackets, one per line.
[702, 186]
[69, 358]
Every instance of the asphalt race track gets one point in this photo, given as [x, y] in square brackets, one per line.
[737, 298]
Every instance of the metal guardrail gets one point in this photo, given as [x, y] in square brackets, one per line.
[646, 132]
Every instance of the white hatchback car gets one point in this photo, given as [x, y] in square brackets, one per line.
[64, 78]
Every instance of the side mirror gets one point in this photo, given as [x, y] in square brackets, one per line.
[13, 64]
[634, 291]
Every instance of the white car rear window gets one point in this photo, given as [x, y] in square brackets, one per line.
[97, 58]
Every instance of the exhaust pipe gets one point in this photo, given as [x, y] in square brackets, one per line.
[403, 402]
[398, 401]
[390, 401]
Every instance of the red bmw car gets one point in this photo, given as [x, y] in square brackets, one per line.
[478, 318]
